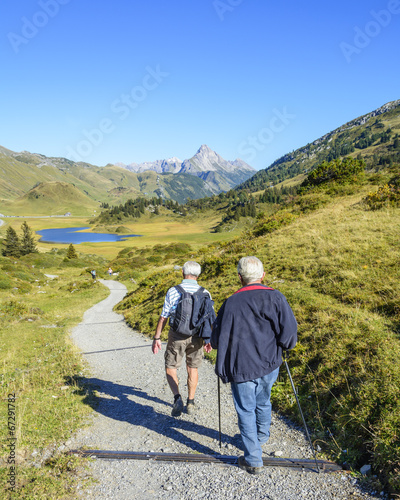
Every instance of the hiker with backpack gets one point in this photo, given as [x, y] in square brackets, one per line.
[253, 327]
[191, 314]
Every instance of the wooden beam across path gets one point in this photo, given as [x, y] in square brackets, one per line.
[297, 463]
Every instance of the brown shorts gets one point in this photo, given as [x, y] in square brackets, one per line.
[179, 345]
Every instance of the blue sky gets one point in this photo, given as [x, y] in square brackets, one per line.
[127, 81]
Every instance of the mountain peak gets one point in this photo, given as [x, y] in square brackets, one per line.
[204, 149]
[218, 174]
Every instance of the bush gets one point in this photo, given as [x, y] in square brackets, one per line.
[313, 201]
[342, 171]
[14, 308]
[273, 223]
[5, 284]
[387, 195]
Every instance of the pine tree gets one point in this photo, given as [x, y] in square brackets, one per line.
[28, 244]
[12, 246]
[71, 252]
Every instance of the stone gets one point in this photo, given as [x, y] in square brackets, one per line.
[365, 470]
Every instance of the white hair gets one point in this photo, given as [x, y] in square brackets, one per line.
[250, 269]
[191, 268]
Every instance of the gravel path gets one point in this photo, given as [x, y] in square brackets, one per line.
[134, 414]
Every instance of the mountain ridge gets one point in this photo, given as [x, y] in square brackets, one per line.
[22, 171]
[227, 173]
[375, 141]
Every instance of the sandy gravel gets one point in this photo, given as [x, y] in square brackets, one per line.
[134, 414]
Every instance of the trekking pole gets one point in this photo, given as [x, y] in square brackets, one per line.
[301, 413]
[219, 411]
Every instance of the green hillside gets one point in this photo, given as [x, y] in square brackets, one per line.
[373, 137]
[20, 172]
[52, 198]
[333, 249]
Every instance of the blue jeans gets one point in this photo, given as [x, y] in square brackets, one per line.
[253, 406]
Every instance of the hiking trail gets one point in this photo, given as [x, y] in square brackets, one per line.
[133, 413]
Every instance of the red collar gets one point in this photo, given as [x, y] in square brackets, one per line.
[253, 287]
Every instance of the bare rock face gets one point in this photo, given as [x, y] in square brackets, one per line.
[218, 173]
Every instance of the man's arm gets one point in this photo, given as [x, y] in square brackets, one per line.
[157, 340]
[216, 328]
[287, 337]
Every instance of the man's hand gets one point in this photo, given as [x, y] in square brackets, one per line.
[156, 340]
[156, 346]
[208, 348]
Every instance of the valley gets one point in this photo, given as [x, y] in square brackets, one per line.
[324, 220]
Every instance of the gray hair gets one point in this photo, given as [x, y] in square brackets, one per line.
[250, 269]
[192, 268]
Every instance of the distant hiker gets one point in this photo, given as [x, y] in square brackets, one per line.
[253, 326]
[93, 273]
[110, 272]
[191, 314]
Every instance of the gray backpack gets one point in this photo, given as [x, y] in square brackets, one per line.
[181, 322]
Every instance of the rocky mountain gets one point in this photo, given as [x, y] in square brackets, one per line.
[203, 175]
[172, 165]
[217, 173]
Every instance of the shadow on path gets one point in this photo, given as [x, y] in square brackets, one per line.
[114, 402]
[118, 349]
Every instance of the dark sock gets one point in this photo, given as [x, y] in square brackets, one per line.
[191, 401]
[176, 397]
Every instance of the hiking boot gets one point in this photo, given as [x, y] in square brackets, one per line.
[248, 468]
[177, 409]
[190, 407]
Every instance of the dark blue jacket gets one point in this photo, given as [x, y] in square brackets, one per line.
[252, 328]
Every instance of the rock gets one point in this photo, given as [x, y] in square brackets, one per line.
[365, 470]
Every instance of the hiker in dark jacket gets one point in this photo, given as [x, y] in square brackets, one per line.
[253, 326]
[180, 345]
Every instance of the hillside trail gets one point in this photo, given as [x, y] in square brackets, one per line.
[132, 412]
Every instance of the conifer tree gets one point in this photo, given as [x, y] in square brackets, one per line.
[28, 244]
[12, 246]
[71, 252]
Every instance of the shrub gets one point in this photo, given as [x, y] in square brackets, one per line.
[5, 284]
[342, 171]
[14, 308]
[387, 195]
[313, 201]
[273, 223]
[124, 251]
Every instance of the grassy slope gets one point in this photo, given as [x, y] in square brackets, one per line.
[338, 266]
[42, 367]
[52, 198]
[20, 172]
